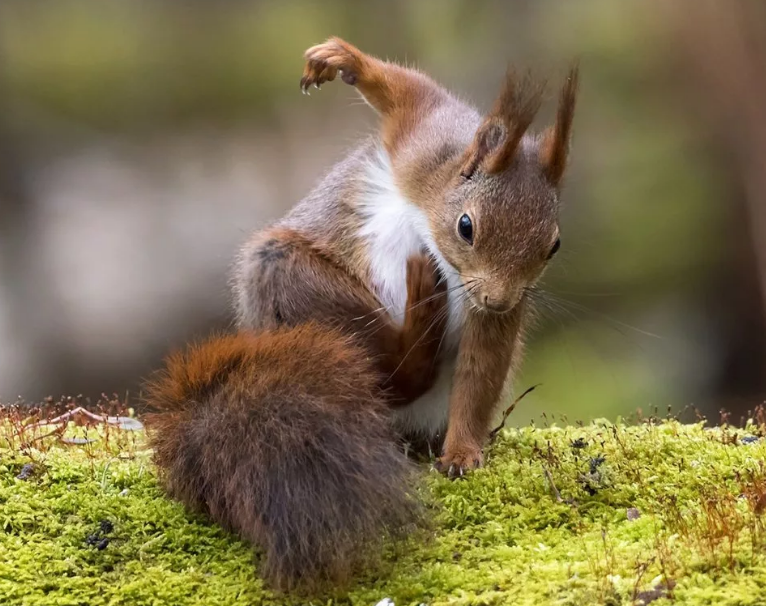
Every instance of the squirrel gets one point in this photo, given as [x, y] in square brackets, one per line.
[388, 305]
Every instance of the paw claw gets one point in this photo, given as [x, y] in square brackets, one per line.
[324, 61]
[459, 464]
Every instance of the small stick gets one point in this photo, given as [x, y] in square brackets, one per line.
[58, 431]
[119, 421]
[68, 415]
[556, 492]
[508, 411]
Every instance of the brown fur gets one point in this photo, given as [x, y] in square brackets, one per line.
[398, 94]
[283, 437]
[298, 281]
[283, 433]
[448, 161]
[499, 136]
[556, 141]
[491, 345]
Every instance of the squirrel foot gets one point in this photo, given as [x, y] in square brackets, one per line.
[426, 288]
[456, 464]
[324, 61]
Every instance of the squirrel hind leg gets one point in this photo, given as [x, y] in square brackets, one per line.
[262, 281]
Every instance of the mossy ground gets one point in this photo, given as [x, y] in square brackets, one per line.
[545, 522]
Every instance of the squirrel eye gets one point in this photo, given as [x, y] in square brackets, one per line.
[555, 249]
[465, 228]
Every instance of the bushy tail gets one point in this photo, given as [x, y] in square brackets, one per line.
[283, 438]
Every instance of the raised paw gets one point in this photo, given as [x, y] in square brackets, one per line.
[456, 464]
[324, 62]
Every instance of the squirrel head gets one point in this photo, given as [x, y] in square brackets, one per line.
[499, 226]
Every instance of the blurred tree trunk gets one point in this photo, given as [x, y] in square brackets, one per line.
[16, 216]
[722, 63]
[28, 300]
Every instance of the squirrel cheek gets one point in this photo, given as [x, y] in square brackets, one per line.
[515, 296]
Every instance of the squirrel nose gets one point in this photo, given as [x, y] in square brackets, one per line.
[493, 305]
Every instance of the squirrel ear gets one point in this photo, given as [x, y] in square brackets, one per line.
[487, 139]
[496, 141]
[556, 140]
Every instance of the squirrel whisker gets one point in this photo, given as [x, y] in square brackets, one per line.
[440, 317]
[569, 306]
[387, 309]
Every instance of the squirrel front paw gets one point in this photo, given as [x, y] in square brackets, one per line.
[324, 61]
[456, 464]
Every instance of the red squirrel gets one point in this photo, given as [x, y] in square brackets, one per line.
[389, 304]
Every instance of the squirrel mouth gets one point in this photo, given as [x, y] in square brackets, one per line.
[485, 306]
[504, 306]
[497, 309]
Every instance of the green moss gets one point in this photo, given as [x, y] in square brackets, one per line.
[545, 522]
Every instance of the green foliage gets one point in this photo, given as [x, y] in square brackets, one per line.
[546, 522]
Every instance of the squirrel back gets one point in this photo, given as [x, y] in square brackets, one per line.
[283, 438]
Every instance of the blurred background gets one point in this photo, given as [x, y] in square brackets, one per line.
[140, 142]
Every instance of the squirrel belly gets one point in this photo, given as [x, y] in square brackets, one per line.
[283, 437]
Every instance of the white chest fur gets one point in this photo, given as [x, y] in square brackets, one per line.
[391, 238]
[394, 229]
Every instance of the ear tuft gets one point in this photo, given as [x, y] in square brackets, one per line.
[495, 143]
[554, 150]
[516, 107]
